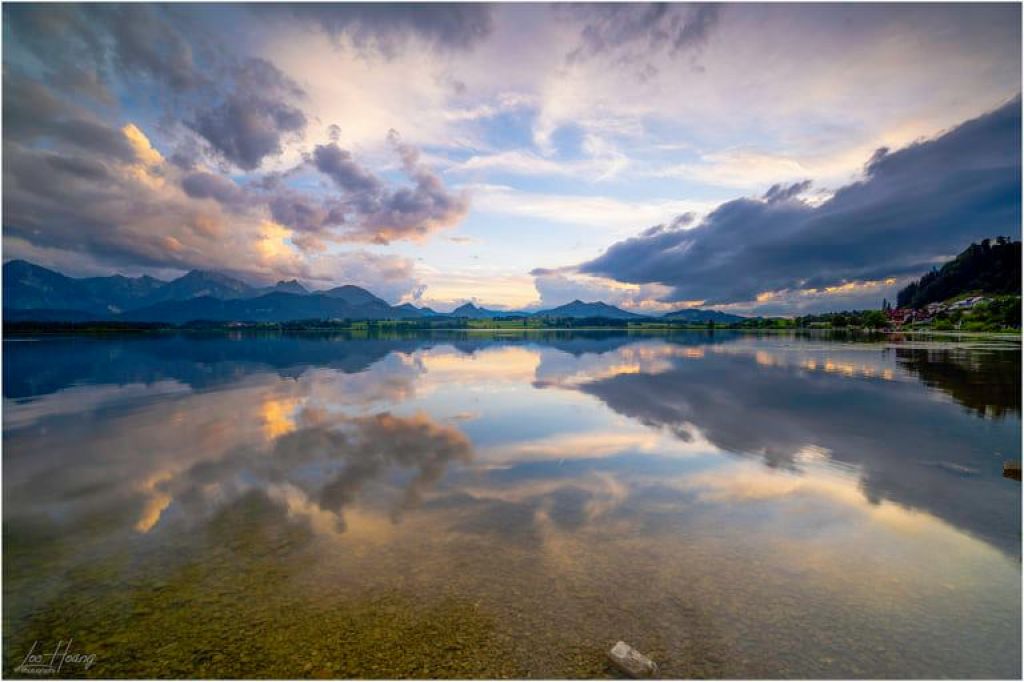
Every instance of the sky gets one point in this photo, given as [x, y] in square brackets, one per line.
[758, 158]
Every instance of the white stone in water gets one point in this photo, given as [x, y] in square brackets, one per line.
[632, 662]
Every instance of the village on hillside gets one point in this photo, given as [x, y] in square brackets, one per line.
[930, 313]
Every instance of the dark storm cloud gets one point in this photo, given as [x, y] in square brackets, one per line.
[915, 206]
[34, 112]
[241, 107]
[147, 42]
[82, 46]
[386, 26]
[249, 124]
[77, 166]
[65, 46]
[85, 208]
[641, 28]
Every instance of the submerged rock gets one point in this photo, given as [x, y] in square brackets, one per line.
[1011, 470]
[632, 662]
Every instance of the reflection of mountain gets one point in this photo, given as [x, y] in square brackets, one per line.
[986, 382]
[45, 365]
[910, 448]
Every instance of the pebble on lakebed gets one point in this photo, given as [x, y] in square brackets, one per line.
[632, 662]
[1011, 470]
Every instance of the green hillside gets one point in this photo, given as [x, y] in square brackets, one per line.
[989, 267]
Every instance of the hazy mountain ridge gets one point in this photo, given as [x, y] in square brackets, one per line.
[474, 312]
[578, 308]
[34, 293]
[700, 315]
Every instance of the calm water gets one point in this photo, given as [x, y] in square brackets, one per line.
[489, 505]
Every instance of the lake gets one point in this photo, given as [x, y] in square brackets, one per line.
[512, 504]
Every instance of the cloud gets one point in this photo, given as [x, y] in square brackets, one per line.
[559, 286]
[850, 296]
[89, 49]
[593, 211]
[923, 202]
[33, 112]
[388, 27]
[147, 42]
[90, 213]
[249, 124]
[67, 47]
[202, 185]
[377, 213]
[337, 164]
[490, 286]
[766, 109]
[73, 182]
[602, 164]
[780, 192]
[117, 211]
[767, 91]
[394, 278]
[639, 29]
[305, 213]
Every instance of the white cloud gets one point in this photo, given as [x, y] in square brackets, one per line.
[611, 216]
[557, 287]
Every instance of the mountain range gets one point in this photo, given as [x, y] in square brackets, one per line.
[34, 293]
[578, 309]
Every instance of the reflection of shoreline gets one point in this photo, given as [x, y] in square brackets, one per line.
[203, 360]
[987, 383]
[909, 448]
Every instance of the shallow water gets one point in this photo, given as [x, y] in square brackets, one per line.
[500, 504]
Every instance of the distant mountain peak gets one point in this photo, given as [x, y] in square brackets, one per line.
[196, 295]
[209, 275]
[354, 295]
[578, 308]
[473, 311]
[290, 286]
[702, 315]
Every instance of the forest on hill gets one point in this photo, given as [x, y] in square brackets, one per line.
[991, 267]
